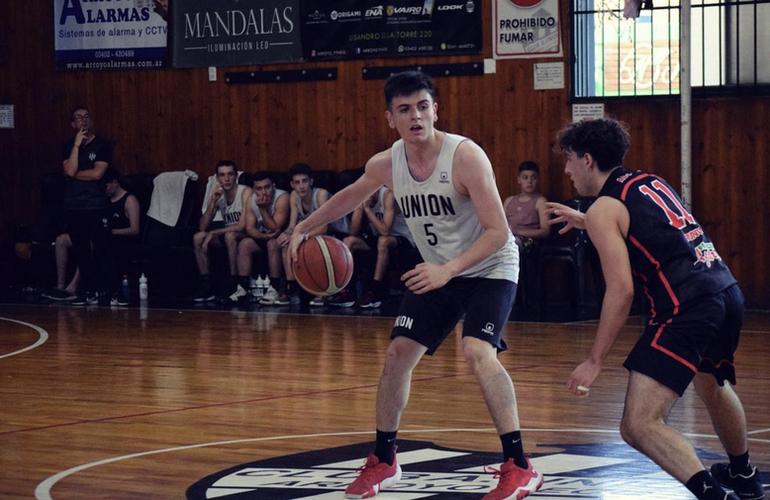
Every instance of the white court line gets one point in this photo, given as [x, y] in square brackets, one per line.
[40, 341]
[43, 490]
[758, 431]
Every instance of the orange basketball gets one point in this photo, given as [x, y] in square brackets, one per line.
[324, 265]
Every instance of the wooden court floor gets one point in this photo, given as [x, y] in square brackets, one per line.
[99, 403]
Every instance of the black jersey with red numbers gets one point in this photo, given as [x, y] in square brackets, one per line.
[669, 251]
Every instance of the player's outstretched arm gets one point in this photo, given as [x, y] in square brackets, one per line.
[377, 173]
[607, 223]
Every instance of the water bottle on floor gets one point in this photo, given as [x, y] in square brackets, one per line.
[143, 292]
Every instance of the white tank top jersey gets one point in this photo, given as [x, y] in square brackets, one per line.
[340, 225]
[399, 227]
[231, 214]
[443, 222]
[271, 210]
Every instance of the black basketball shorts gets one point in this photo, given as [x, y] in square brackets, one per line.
[428, 318]
[701, 337]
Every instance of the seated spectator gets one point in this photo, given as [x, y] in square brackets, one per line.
[229, 199]
[305, 199]
[378, 224]
[123, 213]
[529, 224]
[122, 219]
[267, 215]
[526, 211]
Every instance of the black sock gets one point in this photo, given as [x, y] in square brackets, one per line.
[739, 464]
[705, 487]
[379, 287]
[244, 282]
[291, 286]
[513, 448]
[386, 444]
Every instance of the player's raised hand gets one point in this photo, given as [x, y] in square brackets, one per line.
[81, 136]
[217, 193]
[562, 213]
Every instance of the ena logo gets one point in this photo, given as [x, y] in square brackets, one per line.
[587, 471]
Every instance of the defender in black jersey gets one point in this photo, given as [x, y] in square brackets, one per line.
[640, 227]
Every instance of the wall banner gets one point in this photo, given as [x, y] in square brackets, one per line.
[526, 28]
[130, 34]
[235, 32]
[358, 29]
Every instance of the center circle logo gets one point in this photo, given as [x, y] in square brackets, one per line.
[587, 471]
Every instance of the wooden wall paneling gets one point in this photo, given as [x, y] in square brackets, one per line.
[757, 161]
[173, 119]
[257, 134]
[732, 192]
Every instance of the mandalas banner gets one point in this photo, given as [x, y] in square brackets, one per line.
[235, 32]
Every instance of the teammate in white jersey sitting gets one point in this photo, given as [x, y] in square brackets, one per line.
[376, 225]
[266, 216]
[229, 199]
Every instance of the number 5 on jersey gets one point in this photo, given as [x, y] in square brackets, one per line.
[430, 236]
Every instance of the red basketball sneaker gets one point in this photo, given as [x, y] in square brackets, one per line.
[372, 477]
[515, 483]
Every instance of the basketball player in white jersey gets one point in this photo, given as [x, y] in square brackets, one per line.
[229, 198]
[446, 189]
[266, 216]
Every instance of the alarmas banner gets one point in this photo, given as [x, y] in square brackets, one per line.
[126, 34]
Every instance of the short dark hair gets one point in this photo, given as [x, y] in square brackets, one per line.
[226, 163]
[300, 169]
[111, 174]
[261, 175]
[529, 165]
[606, 139]
[407, 83]
[72, 112]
